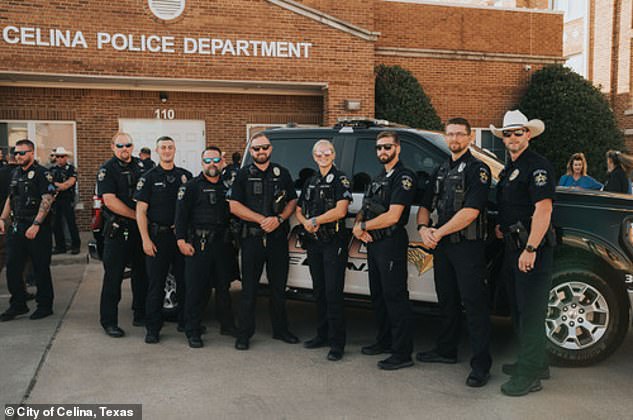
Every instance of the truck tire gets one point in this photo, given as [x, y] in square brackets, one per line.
[587, 318]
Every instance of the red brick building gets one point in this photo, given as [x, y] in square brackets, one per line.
[211, 71]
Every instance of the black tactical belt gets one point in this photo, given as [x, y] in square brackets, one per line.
[156, 228]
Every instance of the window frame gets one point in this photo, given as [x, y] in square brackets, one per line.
[30, 130]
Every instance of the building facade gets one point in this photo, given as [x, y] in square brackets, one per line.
[212, 72]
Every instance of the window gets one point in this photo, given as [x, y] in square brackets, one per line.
[295, 154]
[413, 154]
[487, 141]
[47, 135]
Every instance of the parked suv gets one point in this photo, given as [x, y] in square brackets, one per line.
[592, 289]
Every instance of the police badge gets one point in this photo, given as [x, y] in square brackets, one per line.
[183, 179]
[329, 178]
[514, 175]
[461, 167]
[276, 171]
[30, 175]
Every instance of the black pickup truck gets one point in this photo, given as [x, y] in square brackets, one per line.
[592, 288]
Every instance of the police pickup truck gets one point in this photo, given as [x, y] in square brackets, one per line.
[592, 289]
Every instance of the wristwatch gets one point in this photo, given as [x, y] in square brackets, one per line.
[314, 222]
[36, 223]
[363, 226]
[421, 225]
[529, 248]
[280, 219]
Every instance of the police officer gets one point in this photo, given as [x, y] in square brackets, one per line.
[145, 155]
[263, 197]
[116, 183]
[459, 192]
[202, 222]
[381, 225]
[64, 179]
[29, 233]
[321, 210]
[525, 194]
[155, 197]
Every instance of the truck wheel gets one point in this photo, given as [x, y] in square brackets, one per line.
[586, 319]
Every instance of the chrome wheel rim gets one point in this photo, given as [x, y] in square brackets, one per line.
[577, 316]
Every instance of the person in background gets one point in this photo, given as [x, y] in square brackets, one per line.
[619, 166]
[64, 179]
[576, 176]
[3, 162]
[145, 155]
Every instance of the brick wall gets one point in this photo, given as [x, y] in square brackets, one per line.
[96, 113]
[357, 12]
[469, 29]
[341, 59]
[480, 91]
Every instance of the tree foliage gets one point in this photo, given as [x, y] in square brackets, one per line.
[577, 118]
[401, 99]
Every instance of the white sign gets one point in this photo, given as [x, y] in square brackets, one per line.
[154, 43]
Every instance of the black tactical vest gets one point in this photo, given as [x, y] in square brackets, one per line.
[264, 191]
[210, 208]
[25, 197]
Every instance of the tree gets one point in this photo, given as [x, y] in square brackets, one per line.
[401, 99]
[577, 118]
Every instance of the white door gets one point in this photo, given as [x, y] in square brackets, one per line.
[189, 136]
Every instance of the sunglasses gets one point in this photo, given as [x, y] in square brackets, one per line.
[122, 145]
[387, 146]
[262, 147]
[22, 152]
[326, 153]
[517, 133]
[209, 160]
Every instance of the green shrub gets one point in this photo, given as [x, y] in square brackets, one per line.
[577, 118]
[401, 99]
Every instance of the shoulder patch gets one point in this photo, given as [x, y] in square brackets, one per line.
[345, 181]
[484, 176]
[407, 182]
[140, 183]
[102, 174]
[181, 192]
[48, 176]
[140, 163]
[540, 177]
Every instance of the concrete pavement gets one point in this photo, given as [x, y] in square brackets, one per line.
[273, 379]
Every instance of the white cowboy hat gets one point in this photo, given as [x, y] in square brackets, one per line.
[516, 119]
[61, 151]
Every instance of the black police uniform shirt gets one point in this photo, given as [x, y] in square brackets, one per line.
[256, 189]
[26, 190]
[158, 188]
[62, 174]
[617, 182]
[334, 186]
[148, 163]
[443, 183]
[401, 184]
[120, 178]
[201, 204]
[522, 184]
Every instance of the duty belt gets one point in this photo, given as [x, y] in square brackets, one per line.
[157, 229]
[378, 234]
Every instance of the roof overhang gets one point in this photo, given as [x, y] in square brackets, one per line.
[80, 81]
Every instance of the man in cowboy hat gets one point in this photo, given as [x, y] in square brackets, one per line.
[525, 194]
[64, 179]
